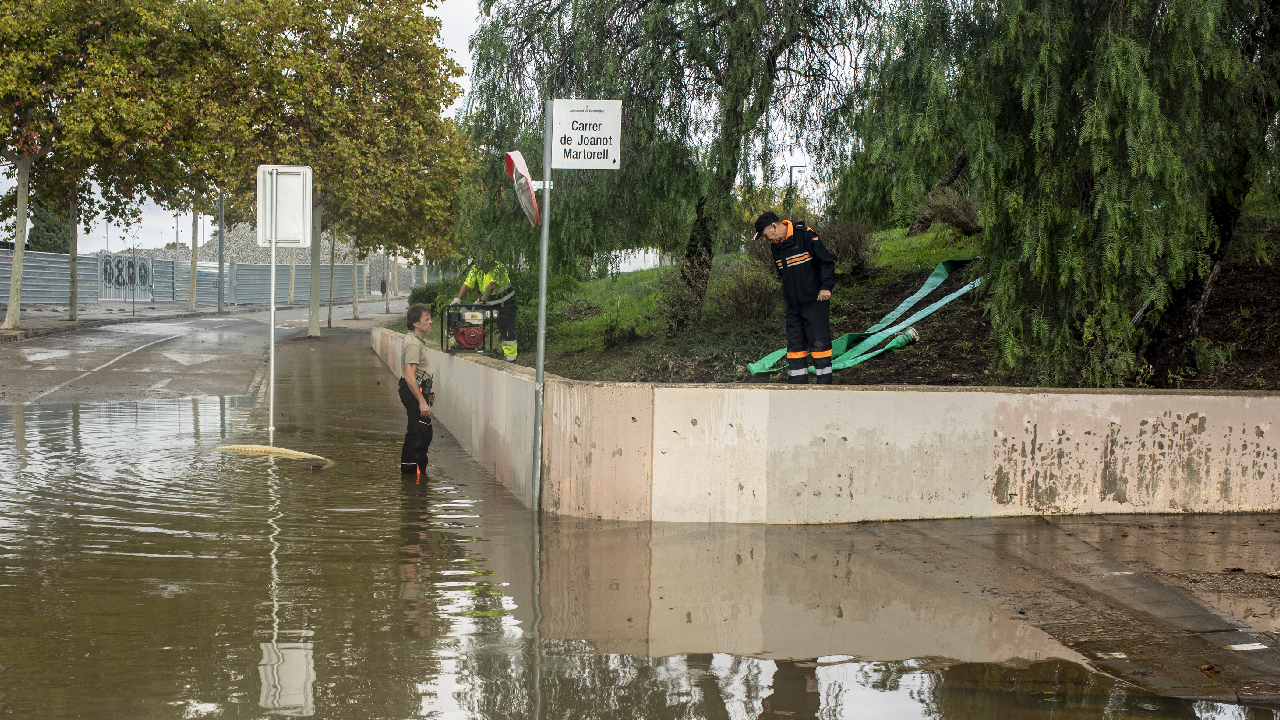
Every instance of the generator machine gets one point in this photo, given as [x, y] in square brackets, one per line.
[468, 328]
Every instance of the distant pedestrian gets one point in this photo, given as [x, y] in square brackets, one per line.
[415, 392]
[808, 276]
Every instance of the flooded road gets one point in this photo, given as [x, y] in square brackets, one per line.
[144, 574]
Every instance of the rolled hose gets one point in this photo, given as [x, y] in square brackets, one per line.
[275, 452]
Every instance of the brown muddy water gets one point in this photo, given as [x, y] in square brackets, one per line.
[144, 574]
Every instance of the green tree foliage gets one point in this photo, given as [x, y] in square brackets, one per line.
[355, 90]
[699, 81]
[97, 92]
[1111, 147]
[49, 230]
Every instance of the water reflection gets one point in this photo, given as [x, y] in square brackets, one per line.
[146, 575]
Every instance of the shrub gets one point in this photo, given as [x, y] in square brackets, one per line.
[744, 291]
[437, 294]
[676, 300]
[954, 208]
[848, 242]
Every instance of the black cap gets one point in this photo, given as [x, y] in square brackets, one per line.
[765, 221]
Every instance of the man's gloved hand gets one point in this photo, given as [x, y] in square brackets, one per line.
[456, 301]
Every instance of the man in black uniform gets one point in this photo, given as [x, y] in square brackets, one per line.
[808, 276]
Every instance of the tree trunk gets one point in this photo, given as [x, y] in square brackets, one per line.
[355, 284]
[1171, 350]
[73, 244]
[924, 216]
[333, 257]
[744, 98]
[313, 307]
[14, 313]
[195, 237]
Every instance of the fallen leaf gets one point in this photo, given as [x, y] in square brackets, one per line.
[1124, 534]
[1209, 670]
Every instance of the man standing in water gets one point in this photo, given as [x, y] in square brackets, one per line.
[415, 392]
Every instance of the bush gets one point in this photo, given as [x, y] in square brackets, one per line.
[744, 291]
[954, 208]
[437, 294]
[675, 299]
[757, 252]
[849, 243]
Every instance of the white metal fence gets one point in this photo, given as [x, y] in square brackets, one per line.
[46, 279]
[121, 277]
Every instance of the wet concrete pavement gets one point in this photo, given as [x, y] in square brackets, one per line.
[50, 319]
[145, 574]
[160, 358]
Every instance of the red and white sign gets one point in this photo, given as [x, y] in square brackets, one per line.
[519, 172]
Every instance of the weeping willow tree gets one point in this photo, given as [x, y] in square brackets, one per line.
[1110, 145]
[699, 81]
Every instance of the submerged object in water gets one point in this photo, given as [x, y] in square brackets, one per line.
[274, 451]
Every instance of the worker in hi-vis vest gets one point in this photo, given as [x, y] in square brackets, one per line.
[492, 280]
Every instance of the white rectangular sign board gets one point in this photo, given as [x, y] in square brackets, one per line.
[587, 134]
[284, 205]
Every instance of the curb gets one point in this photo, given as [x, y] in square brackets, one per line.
[89, 324]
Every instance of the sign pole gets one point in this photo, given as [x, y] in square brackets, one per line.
[222, 231]
[289, 214]
[547, 132]
[271, 371]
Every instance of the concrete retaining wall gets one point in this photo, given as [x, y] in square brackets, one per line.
[778, 454]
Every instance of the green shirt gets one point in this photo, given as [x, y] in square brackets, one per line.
[480, 281]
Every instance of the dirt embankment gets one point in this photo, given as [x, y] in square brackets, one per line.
[1241, 321]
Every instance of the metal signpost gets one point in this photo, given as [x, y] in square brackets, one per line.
[576, 135]
[284, 218]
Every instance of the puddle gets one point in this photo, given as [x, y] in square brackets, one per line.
[144, 574]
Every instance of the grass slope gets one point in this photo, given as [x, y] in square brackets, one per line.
[612, 329]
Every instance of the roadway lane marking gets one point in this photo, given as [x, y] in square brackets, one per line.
[1247, 646]
[56, 388]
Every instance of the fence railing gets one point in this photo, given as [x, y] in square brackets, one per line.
[46, 279]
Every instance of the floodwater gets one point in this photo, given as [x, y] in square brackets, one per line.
[144, 574]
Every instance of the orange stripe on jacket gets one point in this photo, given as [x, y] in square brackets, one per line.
[802, 258]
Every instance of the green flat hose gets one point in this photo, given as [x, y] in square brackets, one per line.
[856, 348]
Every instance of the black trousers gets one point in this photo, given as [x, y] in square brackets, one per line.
[417, 438]
[507, 318]
[809, 337]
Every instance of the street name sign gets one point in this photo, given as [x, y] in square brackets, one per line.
[586, 134]
[284, 205]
